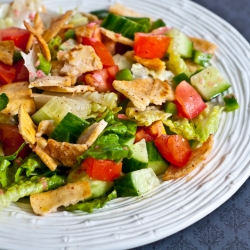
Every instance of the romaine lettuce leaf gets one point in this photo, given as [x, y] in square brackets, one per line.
[200, 127]
[89, 206]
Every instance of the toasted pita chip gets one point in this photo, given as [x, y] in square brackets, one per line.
[90, 134]
[48, 81]
[122, 10]
[161, 92]
[49, 161]
[56, 67]
[56, 26]
[87, 30]
[137, 91]
[203, 45]
[117, 37]
[7, 49]
[90, 16]
[155, 64]
[197, 158]
[79, 60]
[39, 27]
[18, 94]
[45, 127]
[192, 67]
[27, 127]
[65, 152]
[70, 194]
[42, 43]
[71, 89]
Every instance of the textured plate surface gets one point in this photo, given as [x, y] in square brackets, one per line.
[174, 205]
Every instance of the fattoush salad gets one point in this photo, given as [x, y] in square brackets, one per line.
[100, 105]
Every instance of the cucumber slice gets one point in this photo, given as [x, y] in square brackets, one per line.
[136, 183]
[139, 159]
[209, 83]
[180, 43]
[55, 109]
[98, 188]
[122, 25]
[155, 160]
[201, 58]
[231, 102]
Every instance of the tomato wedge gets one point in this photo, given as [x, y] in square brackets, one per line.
[11, 140]
[7, 73]
[101, 51]
[19, 36]
[174, 148]
[22, 74]
[105, 170]
[151, 46]
[189, 100]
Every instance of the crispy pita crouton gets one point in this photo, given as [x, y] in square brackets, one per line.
[70, 194]
[87, 30]
[27, 127]
[79, 60]
[71, 89]
[6, 52]
[56, 67]
[39, 27]
[197, 158]
[117, 37]
[161, 92]
[42, 43]
[155, 64]
[90, 134]
[56, 25]
[192, 67]
[49, 161]
[48, 81]
[122, 10]
[137, 91]
[65, 152]
[18, 94]
[90, 16]
[45, 127]
[203, 45]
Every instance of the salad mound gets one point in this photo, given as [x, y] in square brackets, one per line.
[100, 105]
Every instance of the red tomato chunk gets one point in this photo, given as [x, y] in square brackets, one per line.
[104, 170]
[189, 102]
[151, 46]
[174, 148]
[7, 73]
[19, 36]
[11, 140]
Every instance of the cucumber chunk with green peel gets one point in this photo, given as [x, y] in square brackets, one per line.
[122, 25]
[180, 43]
[209, 83]
[181, 77]
[201, 58]
[170, 107]
[139, 159]
[231, 102]
[155, 160]
[55, 109]
[98, 188]
[136, 183]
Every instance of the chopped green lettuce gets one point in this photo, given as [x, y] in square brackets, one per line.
[107, 147]
[89, 206]
[4, 100]
[200, 127]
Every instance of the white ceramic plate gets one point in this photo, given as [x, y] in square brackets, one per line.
[130, 222]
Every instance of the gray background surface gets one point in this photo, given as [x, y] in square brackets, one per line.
[228, 227]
